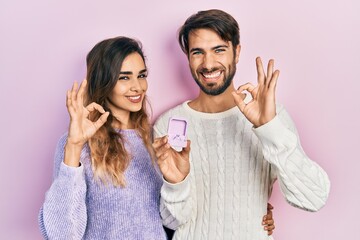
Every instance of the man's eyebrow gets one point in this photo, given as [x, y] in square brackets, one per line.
[213, 48]
[196, 50]
[220, 46]
[143, 71]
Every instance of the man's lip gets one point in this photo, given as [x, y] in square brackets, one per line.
[211, 76]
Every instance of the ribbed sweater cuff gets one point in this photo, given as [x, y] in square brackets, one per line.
[176, 192]
[71, 173]
[275, 135]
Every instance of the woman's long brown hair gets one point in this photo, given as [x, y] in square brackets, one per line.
[108, 154]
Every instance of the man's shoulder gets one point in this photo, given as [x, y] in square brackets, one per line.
[162, 121]
[177, 111]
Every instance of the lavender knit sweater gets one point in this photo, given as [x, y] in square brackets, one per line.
[78, 207]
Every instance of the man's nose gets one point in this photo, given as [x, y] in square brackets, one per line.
[208, 61]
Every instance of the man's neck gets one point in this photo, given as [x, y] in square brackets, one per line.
[214, 104]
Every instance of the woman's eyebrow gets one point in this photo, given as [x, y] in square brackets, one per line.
[126, 73]
[131, 73]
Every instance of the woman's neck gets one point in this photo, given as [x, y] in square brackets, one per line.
[122, 121]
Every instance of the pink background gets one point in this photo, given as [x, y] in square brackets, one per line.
[315, 45]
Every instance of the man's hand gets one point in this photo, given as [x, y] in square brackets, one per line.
[261, 109]
[174, 166]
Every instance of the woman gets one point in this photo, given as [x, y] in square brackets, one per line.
[105, 184]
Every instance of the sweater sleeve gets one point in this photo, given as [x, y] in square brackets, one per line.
[63, 214]
[175, 203]
[303, 183]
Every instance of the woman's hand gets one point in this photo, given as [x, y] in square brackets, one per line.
[268, 221]
[81, 128]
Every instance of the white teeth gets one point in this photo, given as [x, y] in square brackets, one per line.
[212, 75]
[135, 97]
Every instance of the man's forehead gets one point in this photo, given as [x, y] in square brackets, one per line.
[205, 38]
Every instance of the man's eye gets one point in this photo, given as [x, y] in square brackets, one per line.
[123, 78]
[219, 50]
[197, 53]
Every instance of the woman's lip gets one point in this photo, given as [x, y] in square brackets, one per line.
[134, 99]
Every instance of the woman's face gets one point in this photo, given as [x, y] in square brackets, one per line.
[129, 91]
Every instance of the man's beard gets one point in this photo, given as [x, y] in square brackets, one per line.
[208, 89]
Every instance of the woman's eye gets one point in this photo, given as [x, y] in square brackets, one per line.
[142, 76]
[123, 78]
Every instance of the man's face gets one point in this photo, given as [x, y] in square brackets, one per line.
[212, 61]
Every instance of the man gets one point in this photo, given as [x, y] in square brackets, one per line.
[239, 145]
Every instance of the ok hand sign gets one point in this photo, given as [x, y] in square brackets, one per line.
[261, 109]
[81, 128]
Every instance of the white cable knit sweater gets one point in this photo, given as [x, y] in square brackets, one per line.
[233, 169]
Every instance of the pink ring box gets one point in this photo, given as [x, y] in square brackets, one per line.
[177, 132]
